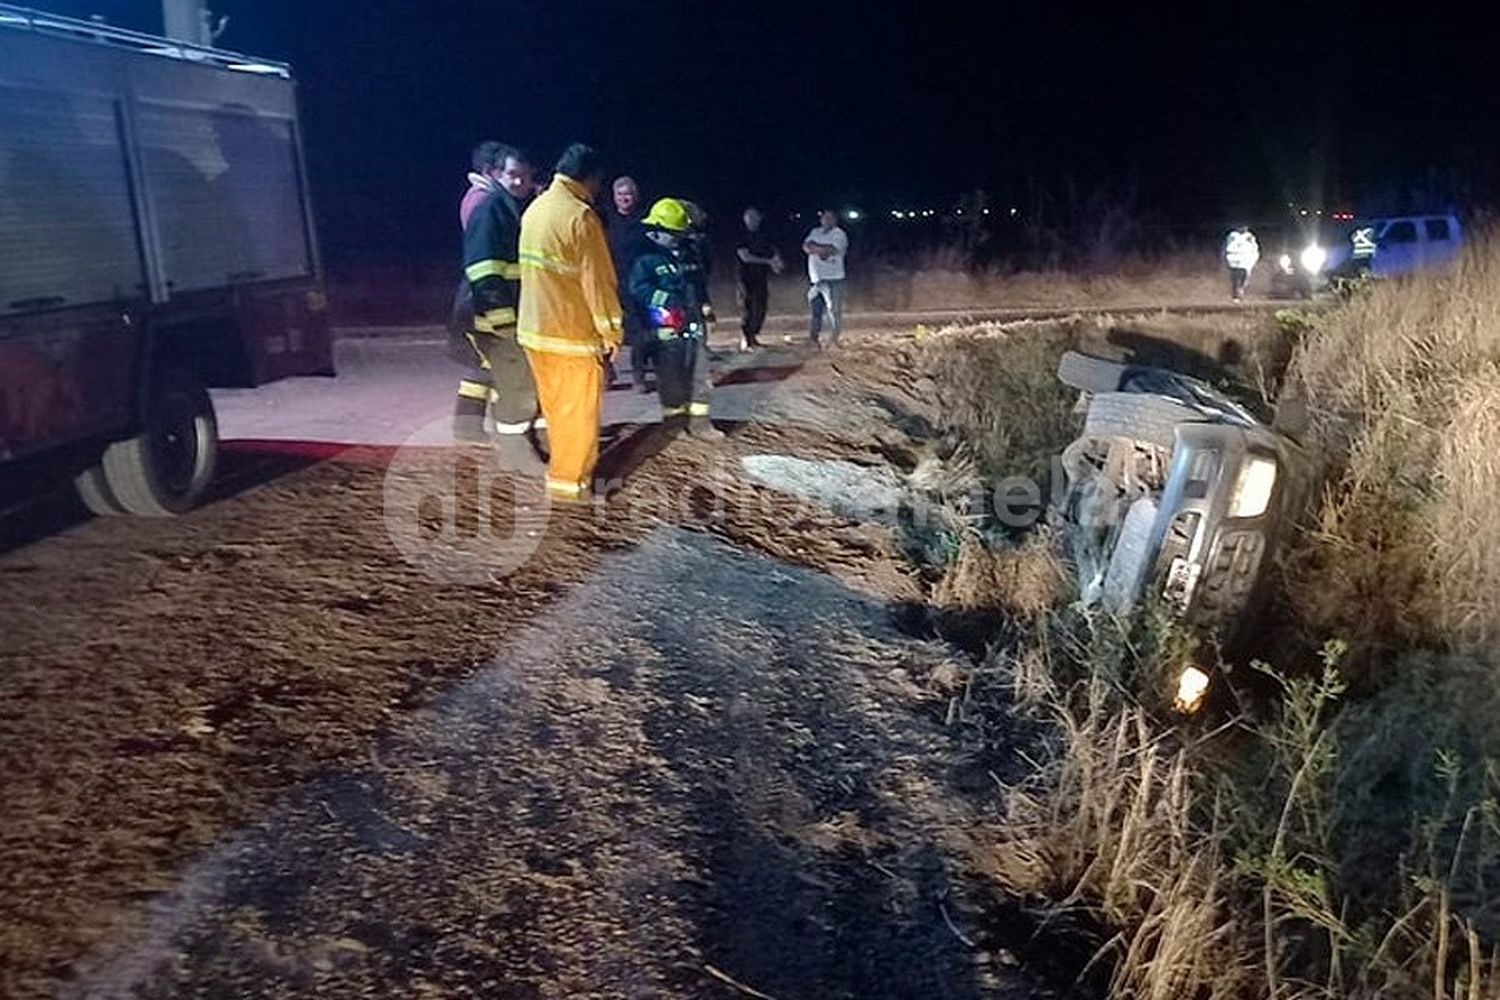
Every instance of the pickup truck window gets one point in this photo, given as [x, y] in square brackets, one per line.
[1404, 231]
[1438, 230]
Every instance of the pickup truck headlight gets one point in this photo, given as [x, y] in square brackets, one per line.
[1313, 259]
[1192, 686]
[1252, 490]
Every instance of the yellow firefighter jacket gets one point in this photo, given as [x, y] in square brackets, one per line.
[569, 302]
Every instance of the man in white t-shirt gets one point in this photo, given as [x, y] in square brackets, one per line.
[826, 247]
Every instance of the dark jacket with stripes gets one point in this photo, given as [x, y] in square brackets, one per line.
[491, 287]
[673, 279]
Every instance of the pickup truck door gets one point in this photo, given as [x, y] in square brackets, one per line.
[1440, 242]
[1399, 249]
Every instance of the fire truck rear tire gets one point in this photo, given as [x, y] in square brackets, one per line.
[93, 490]
[165, 469]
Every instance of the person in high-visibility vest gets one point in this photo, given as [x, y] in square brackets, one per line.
[1241, 254]
[669, 286]
[570, 320]
[498, 381]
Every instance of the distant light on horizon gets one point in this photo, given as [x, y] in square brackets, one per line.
[852, 214]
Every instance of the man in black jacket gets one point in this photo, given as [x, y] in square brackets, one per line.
[622, 225]
[498, 379]
[759, 259]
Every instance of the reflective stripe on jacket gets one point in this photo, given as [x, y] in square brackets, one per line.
[569, 300]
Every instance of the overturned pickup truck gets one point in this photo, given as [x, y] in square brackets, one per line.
[1175, 495]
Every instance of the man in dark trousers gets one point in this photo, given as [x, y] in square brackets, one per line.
[669, 286]
[498, 379]
[622, 224]
[758, 261]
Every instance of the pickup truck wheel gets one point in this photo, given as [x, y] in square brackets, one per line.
[93, 489]
[164, 469]
[1151, 419]
[1088, 373]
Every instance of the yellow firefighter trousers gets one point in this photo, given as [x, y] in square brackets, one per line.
[570, 388]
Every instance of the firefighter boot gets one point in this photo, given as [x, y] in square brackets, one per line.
[470, 412]
[700, 427]
[515, 454]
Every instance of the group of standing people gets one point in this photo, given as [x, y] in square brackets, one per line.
[757, 259]
[537, 315]
[552, 288]
[666, 299]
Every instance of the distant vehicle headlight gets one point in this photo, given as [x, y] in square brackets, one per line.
[1285, 260]
[1252, 491]
[1313, 259]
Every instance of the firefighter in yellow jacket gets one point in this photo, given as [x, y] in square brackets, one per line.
[569, 319]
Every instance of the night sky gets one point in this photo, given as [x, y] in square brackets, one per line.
[1218, 110]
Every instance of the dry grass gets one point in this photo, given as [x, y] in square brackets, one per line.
[997, 389]
[939, 284]
[1107, 826]
[1217, 865]
[1466, 526]
[1398, 391]
[1023, 582]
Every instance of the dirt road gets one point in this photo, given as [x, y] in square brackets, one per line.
[682, 751]
[699, 758]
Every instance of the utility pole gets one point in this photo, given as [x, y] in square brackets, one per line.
[190, 21]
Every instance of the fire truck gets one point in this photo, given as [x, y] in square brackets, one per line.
[156, 241]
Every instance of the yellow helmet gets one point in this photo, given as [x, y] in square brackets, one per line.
[669, 213]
